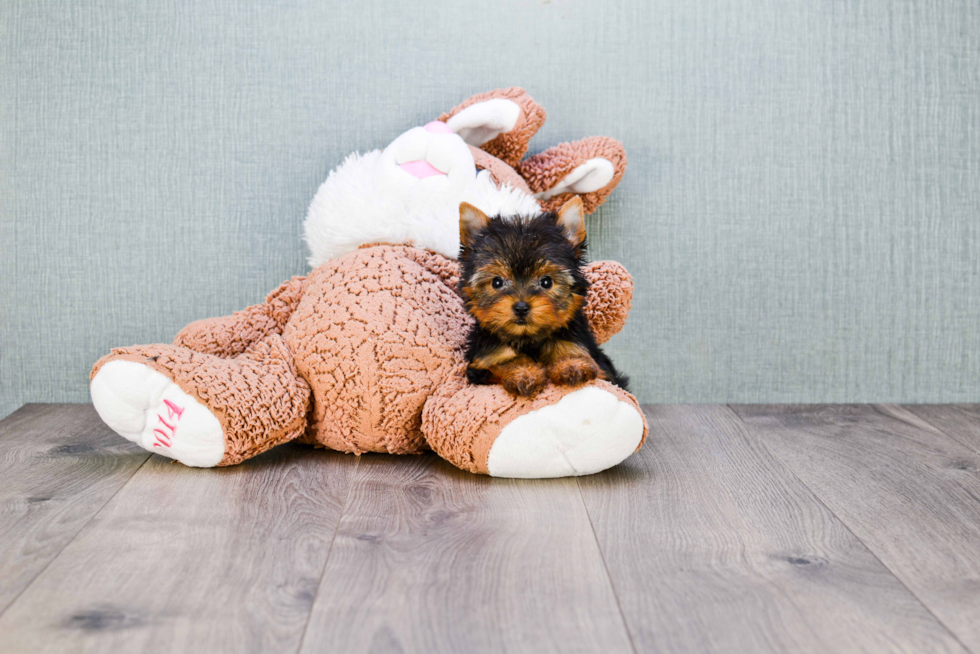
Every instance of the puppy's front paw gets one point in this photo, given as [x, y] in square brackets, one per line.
[478, 376]
[573, 371]
[525, 381]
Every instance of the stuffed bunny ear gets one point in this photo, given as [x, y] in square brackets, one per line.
[590, 168]
[500, 122]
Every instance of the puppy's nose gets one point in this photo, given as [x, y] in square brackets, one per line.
[438, 127]
[521, 309]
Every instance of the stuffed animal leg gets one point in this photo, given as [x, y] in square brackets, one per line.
[202, 409]
[229, 336]
[225, 391]
[561, 432]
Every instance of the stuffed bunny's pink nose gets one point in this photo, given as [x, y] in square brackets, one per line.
[438, 127]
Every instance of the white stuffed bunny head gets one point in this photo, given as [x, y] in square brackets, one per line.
[410, 192]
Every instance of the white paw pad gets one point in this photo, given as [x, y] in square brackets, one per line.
[587, 431]
[147, 408]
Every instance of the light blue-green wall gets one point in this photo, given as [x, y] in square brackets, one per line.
[801, 210]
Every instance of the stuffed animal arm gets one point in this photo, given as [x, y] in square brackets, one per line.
[610, 298]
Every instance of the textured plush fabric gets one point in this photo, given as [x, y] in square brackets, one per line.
[229, 336]
[545, 170]
[374, 333]
[609, 300]
[350, 356]
[258, 396]
[464, 420]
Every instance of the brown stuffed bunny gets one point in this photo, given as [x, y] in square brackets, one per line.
[365, 354]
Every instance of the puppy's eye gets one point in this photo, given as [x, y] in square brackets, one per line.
[497, 282]
[546, 282]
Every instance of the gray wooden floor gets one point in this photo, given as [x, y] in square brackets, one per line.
[735, 529]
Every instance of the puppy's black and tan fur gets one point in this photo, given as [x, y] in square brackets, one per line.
[522, 280]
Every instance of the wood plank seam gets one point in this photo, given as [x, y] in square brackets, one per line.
[69, 542]
[326, 560]
[431, 558]
[714, 546]
[923, 416]
[605, 566]
[898, 578]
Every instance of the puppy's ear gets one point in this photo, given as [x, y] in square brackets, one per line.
[571, 218]
[471, 221]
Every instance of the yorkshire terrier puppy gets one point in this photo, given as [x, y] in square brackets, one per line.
[522, 280]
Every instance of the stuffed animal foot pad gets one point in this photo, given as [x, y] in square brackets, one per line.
[147, 408]
[587, 431]
[561, 432]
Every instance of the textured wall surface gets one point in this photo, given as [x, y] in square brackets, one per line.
[801, 211]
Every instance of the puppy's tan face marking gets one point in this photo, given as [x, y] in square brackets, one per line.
[531, 305]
